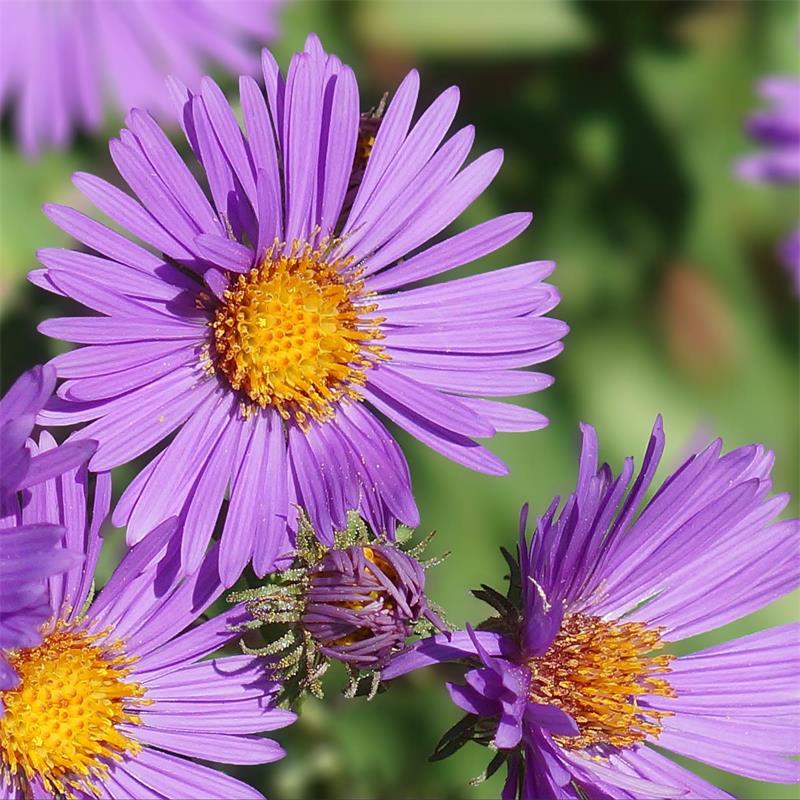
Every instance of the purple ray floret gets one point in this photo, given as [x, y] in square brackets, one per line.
[571, 682]
[777, 129]
[275, 309]
[18, 410]
[129, 688]
[59, 61]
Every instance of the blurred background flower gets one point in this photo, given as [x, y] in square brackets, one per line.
[61, 59]
[777, 129]
[620, 123]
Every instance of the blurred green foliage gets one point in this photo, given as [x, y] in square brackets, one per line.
[620, 122]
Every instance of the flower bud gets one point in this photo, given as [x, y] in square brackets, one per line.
[362, 601]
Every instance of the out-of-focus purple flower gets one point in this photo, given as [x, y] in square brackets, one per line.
[571, 683]
[789, 252]
[60, 59]
[274, 310]
[113, 693]
[30, 545]
[19, 469]
[777, 128]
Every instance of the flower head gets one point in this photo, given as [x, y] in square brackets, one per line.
[356, 602]
[112, 692]
[272, 321]
[777, 129]
[30, 542]
[573, 678]
[59, 60]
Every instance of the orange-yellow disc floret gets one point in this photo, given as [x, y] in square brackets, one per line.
[291, 334]
[595, 670]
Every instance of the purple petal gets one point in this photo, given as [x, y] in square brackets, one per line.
[444, 207]
[552, 719]
[454, 446]
[409, 396]
[224, 252]
[229, 136]
[388, 140]
[460, 249]
[444, 647]
[127, 213]
[301, 139]
[170, 776]
[57, 461]
[341, 144]
[418, 147]
[210, 746]
[271, 536]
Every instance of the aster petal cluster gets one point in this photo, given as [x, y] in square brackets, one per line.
[574, 679]
[265, 309]
[18, 410]
[777, 130]
[30, 544]
[116, 694]
[60, 59]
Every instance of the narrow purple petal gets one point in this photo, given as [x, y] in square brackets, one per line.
[170, 776]
[444, 647]
[388, 141]
[224, 252]
[460, 249]
[452, 445]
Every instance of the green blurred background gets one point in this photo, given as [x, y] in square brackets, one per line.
[620, 122]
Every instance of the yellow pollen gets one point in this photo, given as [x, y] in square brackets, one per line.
[61, 722]
[595, 670]
[366, 141]
[291, 334]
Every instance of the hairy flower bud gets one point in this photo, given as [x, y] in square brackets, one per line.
[357, 602]
[362, 601]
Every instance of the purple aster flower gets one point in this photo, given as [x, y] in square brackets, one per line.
[777, 128]
[18, 410]
[59, 60]
[30, 545]
[571, 680]
[113, 692]
[271, 312]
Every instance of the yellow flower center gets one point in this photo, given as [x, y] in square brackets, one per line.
[595, 670]
[291, 334]
[61, 722]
